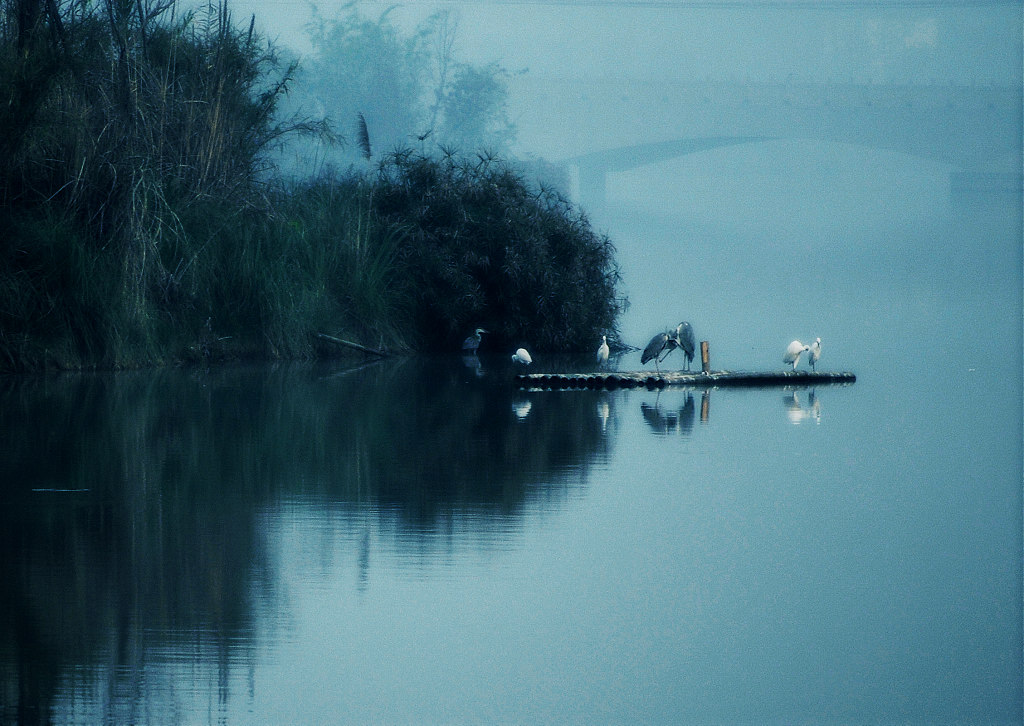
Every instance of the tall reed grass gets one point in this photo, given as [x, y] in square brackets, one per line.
[142, 221]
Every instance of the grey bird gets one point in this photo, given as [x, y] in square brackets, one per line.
[470, 344]
[686, 341]
[660, 346]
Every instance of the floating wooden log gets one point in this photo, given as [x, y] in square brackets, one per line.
[711, 379]
[350, 344]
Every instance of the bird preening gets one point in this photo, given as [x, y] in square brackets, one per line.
[664, 343]
[686, 341]
[814, 353]
[522, 356]
[472, 343]
[654, 350]
[796, 349]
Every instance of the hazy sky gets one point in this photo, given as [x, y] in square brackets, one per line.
[721, 219]
[976, 42]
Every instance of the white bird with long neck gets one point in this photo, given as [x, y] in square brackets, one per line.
[603, 351]
[815, 352]
[793, 352]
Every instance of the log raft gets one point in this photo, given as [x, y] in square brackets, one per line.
[710, 379]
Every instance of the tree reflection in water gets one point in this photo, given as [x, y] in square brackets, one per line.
[161, 540]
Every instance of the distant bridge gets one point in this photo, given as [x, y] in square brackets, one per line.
[609, 127]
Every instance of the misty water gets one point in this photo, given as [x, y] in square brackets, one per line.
[418, 541]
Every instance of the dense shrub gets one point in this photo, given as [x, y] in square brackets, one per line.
[484, 247]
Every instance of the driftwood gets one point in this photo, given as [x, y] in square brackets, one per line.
[650, 379]
[354, 346]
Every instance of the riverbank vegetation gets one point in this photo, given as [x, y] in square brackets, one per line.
[145, 217]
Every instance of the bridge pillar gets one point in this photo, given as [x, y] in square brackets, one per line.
[587, 184]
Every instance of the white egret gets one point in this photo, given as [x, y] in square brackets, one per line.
[815, 352]
[793, 352]
[471, 343]
[602, 351]
[522, 356]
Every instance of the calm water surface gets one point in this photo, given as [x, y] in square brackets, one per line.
[416, 541]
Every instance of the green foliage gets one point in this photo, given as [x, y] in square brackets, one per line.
[485, 247]
[142, 220]
[131, 138]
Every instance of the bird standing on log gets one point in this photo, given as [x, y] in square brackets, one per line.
[658, 345]
[686, 341]
[815, 353]
[793, 352]
[470, 344]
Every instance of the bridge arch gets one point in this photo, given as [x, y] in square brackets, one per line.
[977, 132]
[588, 172]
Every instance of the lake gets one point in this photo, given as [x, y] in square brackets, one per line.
[417, 541]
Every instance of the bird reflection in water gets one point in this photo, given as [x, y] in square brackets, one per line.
[797, 413]
[522, 408]
[472, 363]
[603, 412]
[664, 421]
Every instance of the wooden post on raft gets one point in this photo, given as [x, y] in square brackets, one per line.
[705, 357]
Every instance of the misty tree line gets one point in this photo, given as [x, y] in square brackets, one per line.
[410, 88]
[147, 214]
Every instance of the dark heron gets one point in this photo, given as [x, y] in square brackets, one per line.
[684, 339]
[664, 343]
[793, 352]
[659, 347]
[470, 344]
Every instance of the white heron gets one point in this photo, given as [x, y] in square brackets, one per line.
[603, 351]
[471, 343]
[793, 352]
[522, 356]
[815, 352]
